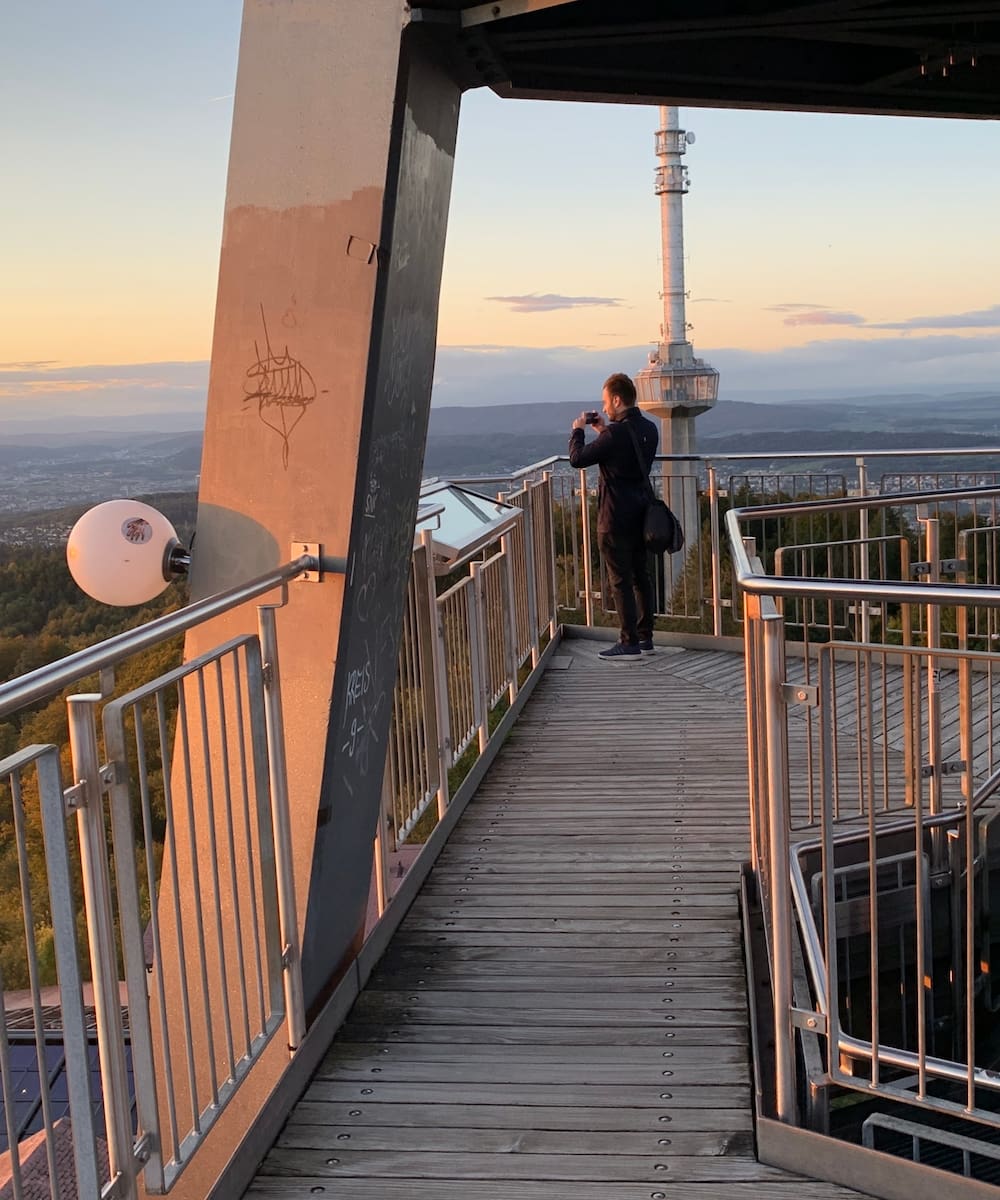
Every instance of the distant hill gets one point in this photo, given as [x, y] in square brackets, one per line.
[503, 437]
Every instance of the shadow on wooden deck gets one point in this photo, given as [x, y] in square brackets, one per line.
[562, 1013]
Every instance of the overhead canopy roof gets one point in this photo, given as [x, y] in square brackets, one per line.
[937, 58]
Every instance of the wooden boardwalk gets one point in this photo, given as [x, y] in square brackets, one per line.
[562, 1014]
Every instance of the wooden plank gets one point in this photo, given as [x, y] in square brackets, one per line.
[385, 1053]
[710, 990]
[516, 1141]
[789, 1188]
[368, 1114]
[555, 960]
[372, 1009]
[663, 1098]
[652, 1169]
[648, 1000]
[546, 1035]
[474, 1069]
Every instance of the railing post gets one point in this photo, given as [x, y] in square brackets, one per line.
[438, 674]
[507, 547]
[713, 509]
[101, 936]
[63, 910]
[553, 607]
[964, 676]
[382, 890]
[529, 570]
[932, 554]
[283, 860]
[779, 893]
[477, 656]
[866, 631]
[587, 570]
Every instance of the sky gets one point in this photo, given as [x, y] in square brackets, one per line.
[824, 254]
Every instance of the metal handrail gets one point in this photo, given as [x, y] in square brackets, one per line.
[754, 456]
[48, 680]
[855, 589]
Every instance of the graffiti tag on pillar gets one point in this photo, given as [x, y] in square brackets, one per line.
[282, 387]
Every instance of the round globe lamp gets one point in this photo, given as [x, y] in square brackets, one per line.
[123, 552]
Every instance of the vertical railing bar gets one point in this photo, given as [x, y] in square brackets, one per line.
[428, 722]
[552, 609]
[170, 851]
[970, 954]
[828, 860]
[859, 736]
[284, 862]
[406, 721]
[528, 529]
[834, 738]
[100, 931]
[403, 698]
[873, 925]
[587, 565]
[140, 1021]
[476, 631]
[884, 685]
[182, 717]
[425, 726]
[34, 979]
[438, 674]
[717, 551]
[237, 906]
[515, 650]
[9, 1106]
[54, 832]
[242, 714]
[213, 850]
[921, 950]
[780, 892]
[401, 778]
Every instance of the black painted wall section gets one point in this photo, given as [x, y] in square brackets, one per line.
[394, 429]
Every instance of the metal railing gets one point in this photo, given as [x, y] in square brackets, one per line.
[697, 591]
[188, 773]
[461, 659]
[877, 721]
[873, 788]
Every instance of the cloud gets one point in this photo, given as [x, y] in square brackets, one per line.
[136, 393]
[983, 318]
[793, 307]
[550, 302]
[822, 316]
[708, 300]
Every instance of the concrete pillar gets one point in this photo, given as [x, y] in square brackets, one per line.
[340, 174]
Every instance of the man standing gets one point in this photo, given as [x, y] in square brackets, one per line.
[621, 506]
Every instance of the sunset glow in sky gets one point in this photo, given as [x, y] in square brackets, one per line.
[814, 243]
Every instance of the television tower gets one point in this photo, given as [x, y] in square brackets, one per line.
[675, 386]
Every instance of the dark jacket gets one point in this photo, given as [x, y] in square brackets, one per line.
[621, 493]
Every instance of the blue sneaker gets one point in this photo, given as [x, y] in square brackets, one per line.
[647, 647]
[620, 652]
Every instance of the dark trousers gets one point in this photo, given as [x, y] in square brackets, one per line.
[626, 562]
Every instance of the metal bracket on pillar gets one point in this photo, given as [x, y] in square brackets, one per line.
[311, 550]
[814, 1022]
[325, 564]
[800, 693]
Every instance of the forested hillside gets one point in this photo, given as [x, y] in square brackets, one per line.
[43, 617]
